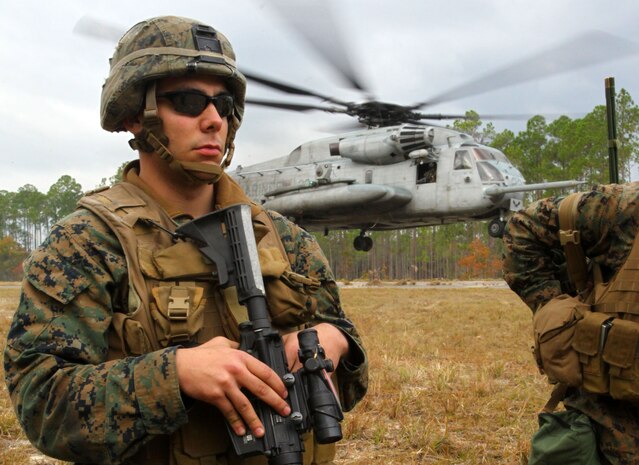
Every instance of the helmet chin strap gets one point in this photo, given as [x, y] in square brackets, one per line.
[151, 139]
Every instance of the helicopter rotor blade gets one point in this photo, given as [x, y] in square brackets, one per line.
[440, 116]
[315, 23]
[288, 88]
[500, 116]
[527, 116]
[293, 106]
[583, 50]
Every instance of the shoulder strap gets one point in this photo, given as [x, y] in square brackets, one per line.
[570, 239]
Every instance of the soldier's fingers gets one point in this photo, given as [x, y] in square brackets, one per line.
[258, 385]
[243, 407]
[232, 417]
[267, 380]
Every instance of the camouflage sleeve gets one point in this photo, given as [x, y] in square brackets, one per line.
[307, 258]
[72, 403]
[534, 261]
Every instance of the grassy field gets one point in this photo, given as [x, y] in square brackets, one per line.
[452, 380]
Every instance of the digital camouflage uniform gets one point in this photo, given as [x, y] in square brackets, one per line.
[534, 268]
[76, 405]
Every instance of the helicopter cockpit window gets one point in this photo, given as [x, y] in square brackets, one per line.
[489, 173]
[462, 160]
[499, 156]
[485, 154]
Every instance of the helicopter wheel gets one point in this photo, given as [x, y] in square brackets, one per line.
[496, 228]
[363, 243]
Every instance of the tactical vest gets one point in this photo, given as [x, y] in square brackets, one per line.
[603, 328]
[173, 298]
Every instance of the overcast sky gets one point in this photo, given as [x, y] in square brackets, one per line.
[407, 51]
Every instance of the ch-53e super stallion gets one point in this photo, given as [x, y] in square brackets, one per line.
[392, 177]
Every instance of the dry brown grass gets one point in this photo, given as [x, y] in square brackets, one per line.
[452, 380]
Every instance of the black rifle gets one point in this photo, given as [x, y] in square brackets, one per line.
[226, 238]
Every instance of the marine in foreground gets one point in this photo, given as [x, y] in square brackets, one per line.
[124, 348]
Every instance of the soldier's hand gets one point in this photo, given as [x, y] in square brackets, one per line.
[330, 338]
[216, 371]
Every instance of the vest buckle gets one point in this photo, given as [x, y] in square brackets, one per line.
[178, 308]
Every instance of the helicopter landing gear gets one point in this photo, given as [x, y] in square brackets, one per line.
[496, 228]
[362, 242]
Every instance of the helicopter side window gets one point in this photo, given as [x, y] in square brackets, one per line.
[426, 172]
[462, 160]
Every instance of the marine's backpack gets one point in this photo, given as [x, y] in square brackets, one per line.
[590, 340]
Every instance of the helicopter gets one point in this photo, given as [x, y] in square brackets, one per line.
[392, 177]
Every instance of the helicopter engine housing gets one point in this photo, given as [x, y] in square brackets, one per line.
[384, 148]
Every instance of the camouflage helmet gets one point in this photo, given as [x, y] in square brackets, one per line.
[161, 47]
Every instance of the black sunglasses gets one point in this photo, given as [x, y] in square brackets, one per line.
[193, 103]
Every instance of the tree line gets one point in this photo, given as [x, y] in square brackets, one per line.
[545, 151]
[566, 148]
